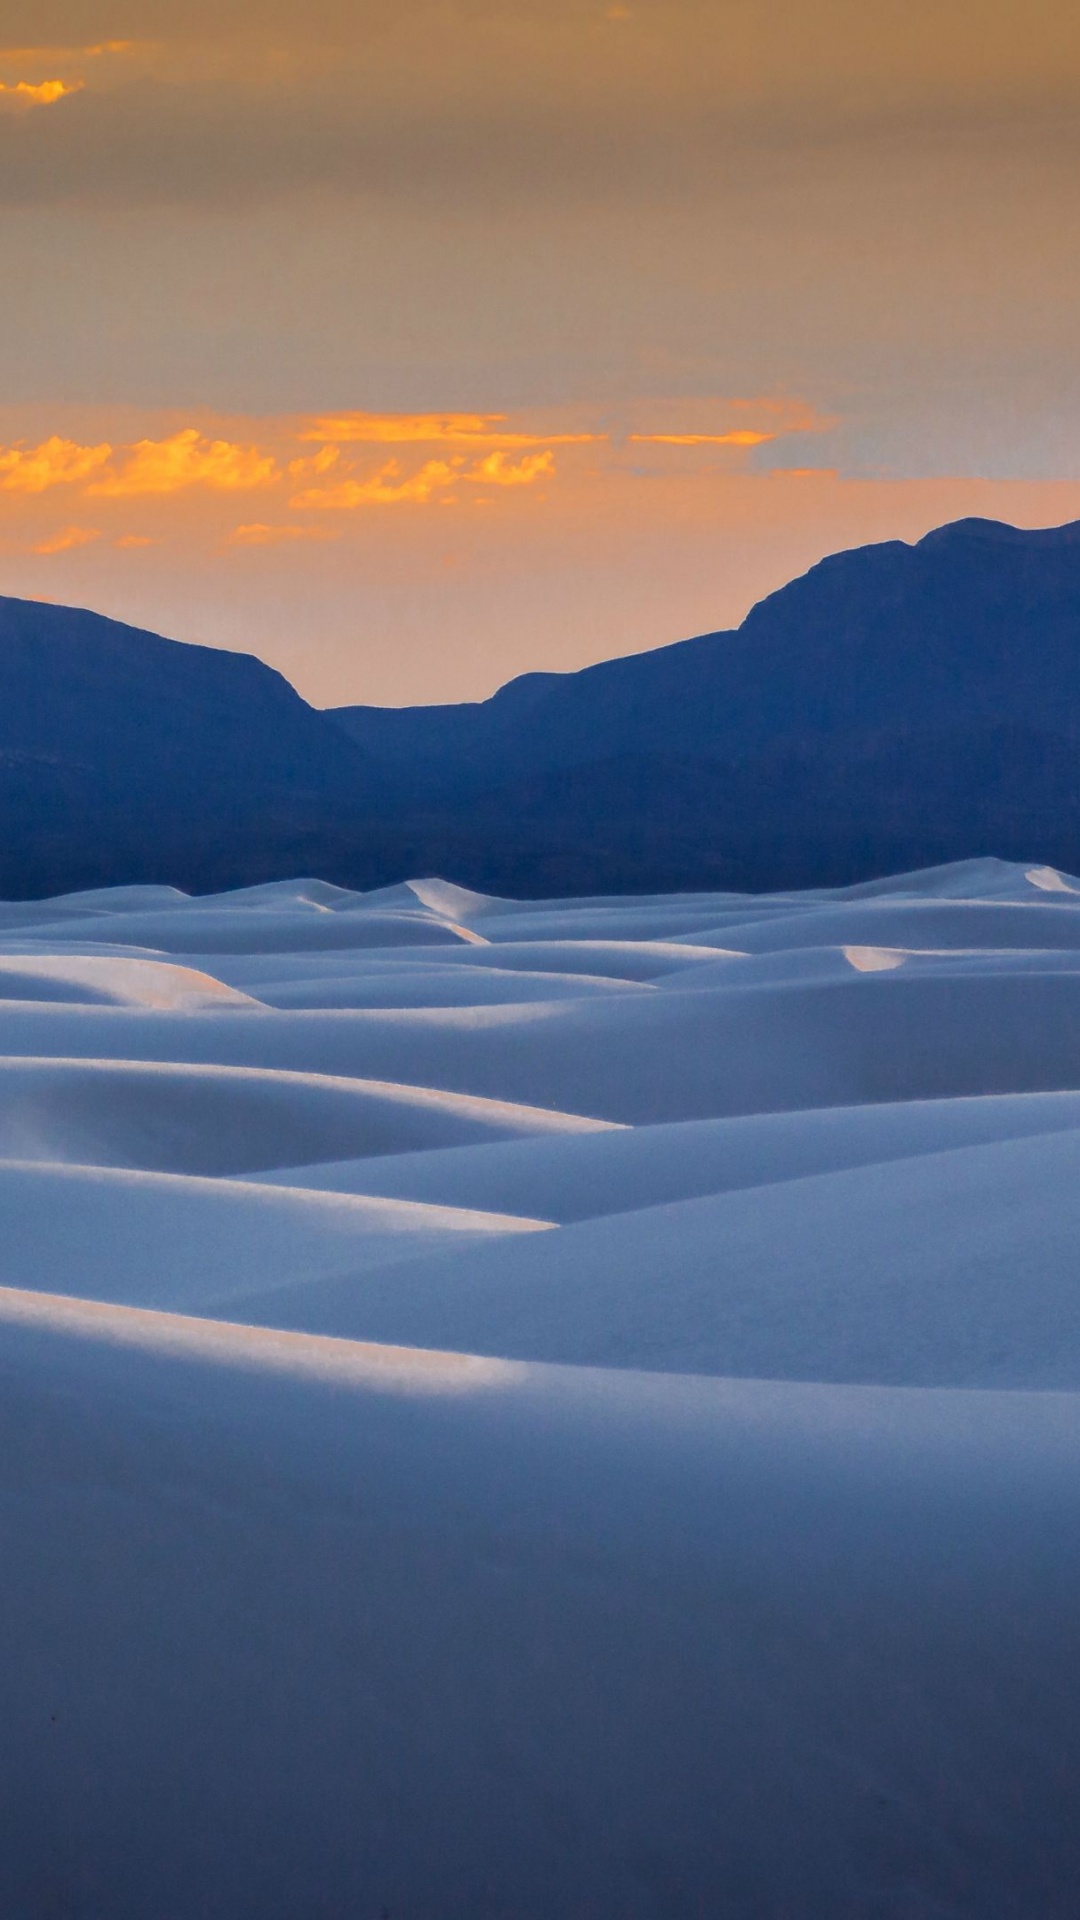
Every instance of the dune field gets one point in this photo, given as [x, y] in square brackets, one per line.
[562, 1410]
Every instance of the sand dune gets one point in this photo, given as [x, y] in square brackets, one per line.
[448, 1638]
[542, 1408]
[111, 980]
[822, 1278]
[433, 987]
[178, 1118]
[620, 1169]
[171, 1241]
[912, 923]
[640, 1058]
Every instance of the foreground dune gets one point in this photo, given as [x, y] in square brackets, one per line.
[599, 1437]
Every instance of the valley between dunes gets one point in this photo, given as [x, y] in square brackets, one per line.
[557, 1409]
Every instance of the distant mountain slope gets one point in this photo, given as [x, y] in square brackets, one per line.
[977, 624]
[897, 704]
[127, 756]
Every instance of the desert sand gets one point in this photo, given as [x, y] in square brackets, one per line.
[542, 1409]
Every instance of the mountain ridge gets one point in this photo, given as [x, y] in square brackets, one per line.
[127, 756]
[898, 705]
[727, 662]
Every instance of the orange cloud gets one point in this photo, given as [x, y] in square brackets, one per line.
[397, 429]
[70, 537]
[497, 471]
[738, 437]
[63, 55]
[260, 535]
[55, 463]
[389, 488]
[42, 94]
[135, 540]
[319, 463]
[429, 429]
[188, 459]
[382, 489]
[711, 421]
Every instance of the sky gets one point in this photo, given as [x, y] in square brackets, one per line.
[412, 346]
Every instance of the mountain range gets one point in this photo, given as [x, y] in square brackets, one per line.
[897, 706]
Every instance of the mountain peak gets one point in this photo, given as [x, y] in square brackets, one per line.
[1000, 533]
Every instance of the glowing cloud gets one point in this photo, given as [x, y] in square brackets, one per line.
[131, 540]
[64, 541]
[497, 471]
[709, 421]
[62, 55]
[188, 459]
[260, 535]
[430, 429]
[44, 93]
[385, 488]
[738, 437]
[388, 487]
[319, 463]
[55, 463]
[398, 429]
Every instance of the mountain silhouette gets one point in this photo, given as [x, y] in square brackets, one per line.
[897, 706]
[125, 756]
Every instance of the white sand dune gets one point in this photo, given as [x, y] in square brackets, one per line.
[620, 1169]
[910, 923]
[111, 981]
[183, 1243]
[639, 1058]
[288, 928]
[541, 1409]
[642, 960]
[344, 1631]
[432, 986]
[177, 1118]
[822, 1278]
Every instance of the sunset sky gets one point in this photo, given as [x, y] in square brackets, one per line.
[412, 346]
